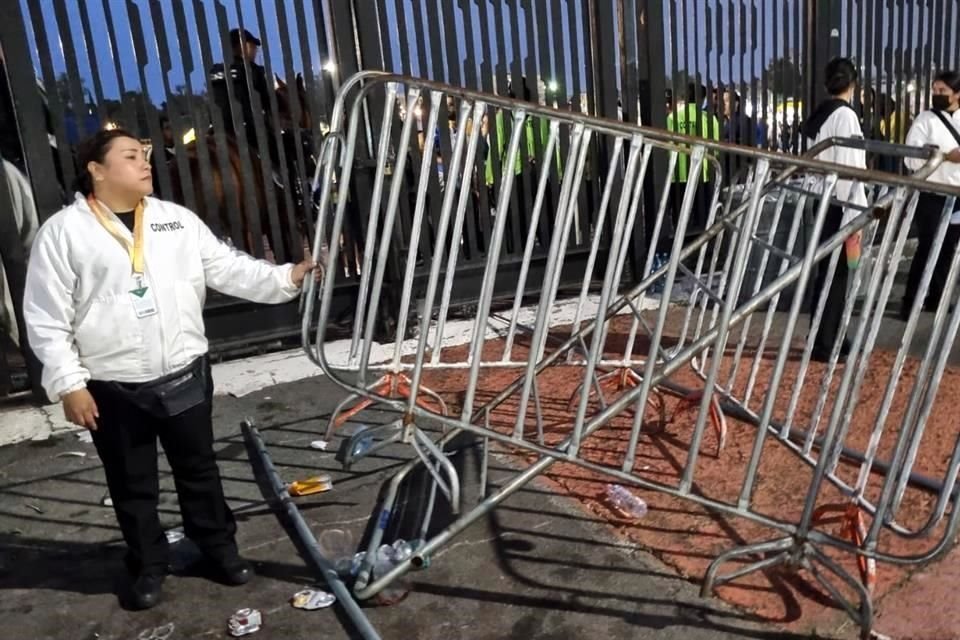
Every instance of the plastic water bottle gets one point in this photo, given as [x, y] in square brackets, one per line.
[659, 259]
[625, 503]
[389, 556]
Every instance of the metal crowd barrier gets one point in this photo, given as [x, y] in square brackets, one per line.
[726, 298]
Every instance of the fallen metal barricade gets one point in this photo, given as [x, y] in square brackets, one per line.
[324, 565]
[729, 297]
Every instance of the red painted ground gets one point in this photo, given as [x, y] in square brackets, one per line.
[688, 537]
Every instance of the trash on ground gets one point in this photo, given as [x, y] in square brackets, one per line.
[624, 503]
[388, 557]
[336, 543]
[174, 535]
[71, 454]
[311, 599]
[85, 436]
[244, 622]
[320, 445]
[158, 633]
[349, 566]
[106, 500]
[311, 485]
[34, 507]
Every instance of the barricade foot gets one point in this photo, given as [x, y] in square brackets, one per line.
[794, 554]
[390, 385]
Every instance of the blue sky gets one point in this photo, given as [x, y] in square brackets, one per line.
[688, 32]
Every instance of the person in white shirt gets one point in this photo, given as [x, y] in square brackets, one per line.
[835, 118]
[113, 306]
[940, 127]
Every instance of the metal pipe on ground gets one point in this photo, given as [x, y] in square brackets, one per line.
[309, 541]
[735, 411]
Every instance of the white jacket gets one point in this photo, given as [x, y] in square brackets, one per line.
[78, 308]
[843, 123]
[929, 129]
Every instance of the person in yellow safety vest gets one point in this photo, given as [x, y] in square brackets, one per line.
[692, 119]
[502, 140]
[528, 136]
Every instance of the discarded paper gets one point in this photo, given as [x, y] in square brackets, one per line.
[158, 633]
[174, 536]
[320, 445]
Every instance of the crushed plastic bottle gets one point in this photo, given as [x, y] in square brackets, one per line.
[659, 259]
[350, 566]
[362, 446]
[624, 502]
[389, 556]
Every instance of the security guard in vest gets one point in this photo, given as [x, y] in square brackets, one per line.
[113, 306]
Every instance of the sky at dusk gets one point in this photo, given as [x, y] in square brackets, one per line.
[706, 33]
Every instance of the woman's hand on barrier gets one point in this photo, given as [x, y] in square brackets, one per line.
[301, 269]
[80, 408]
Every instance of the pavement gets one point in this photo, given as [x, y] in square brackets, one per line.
[538, 567]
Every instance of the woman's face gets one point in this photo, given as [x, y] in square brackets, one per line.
[941, 88]
[125, 168]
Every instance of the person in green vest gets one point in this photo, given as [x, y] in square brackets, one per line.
[527, 156]
[692, 118]
[529, 138]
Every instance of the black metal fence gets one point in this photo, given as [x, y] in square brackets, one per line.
[745, 71]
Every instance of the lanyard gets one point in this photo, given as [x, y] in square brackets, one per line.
[134, 249]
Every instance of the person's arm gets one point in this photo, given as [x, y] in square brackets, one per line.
[48, 311]
[917, 136]
[237, 274]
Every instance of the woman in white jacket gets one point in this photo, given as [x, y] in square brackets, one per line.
[835, 118]
[114, 311]
[940, 127]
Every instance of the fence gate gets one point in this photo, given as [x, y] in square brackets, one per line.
[148, 65]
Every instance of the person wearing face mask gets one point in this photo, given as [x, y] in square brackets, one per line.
[940, 127]
[113, 306]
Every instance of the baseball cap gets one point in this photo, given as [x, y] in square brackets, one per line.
[242, 35]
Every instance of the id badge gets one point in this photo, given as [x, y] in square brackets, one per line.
[144, 304]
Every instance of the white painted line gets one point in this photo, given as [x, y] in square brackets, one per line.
[242, 377]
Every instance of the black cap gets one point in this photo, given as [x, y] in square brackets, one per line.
[242, 35]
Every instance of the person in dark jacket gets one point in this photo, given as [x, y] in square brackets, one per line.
[249, 92]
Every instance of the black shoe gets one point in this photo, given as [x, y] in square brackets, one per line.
[233, 571]
[821, 354]
[904, 313]
[145, 591]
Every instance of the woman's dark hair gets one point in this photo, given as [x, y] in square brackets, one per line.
[94, 149]
[840, 74]
[949, 78]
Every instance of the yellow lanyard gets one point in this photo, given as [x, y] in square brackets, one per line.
[134, 249]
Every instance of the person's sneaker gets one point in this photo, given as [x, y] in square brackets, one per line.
[145, 591]
[233, 571]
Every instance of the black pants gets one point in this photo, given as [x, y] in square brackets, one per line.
[126, 440]
[928, 216]
[829, 328]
